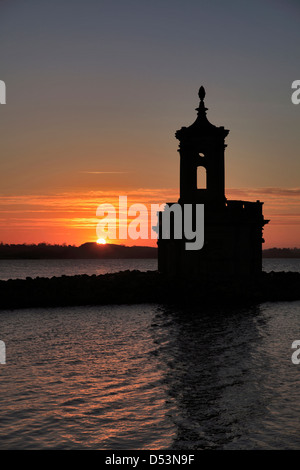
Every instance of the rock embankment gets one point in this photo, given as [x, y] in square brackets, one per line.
[131, 287]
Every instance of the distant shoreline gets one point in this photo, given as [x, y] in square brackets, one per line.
[134, 287]
[85, 251]
[108, 251]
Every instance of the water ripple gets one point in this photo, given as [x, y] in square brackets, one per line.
[150, 377]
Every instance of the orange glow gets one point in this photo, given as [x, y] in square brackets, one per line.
[71, 218]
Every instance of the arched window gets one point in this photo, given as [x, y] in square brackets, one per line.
[201, 177]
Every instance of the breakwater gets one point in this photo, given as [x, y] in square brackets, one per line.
[131, 287]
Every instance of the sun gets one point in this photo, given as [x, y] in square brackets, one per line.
[101, 241]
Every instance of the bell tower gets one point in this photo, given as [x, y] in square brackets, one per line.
[202, 147]
[232, 229]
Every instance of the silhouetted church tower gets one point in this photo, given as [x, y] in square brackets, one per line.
[202, 146]
[232, 229]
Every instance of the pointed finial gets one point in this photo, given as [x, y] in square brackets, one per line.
[202, 109]
[201, 93]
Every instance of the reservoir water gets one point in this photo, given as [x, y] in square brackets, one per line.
[20, 269]
[150, 377]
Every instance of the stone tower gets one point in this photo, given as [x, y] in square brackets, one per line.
[232, 229]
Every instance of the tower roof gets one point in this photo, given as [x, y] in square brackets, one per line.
[201, 127]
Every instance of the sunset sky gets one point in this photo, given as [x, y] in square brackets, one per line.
[97, 89]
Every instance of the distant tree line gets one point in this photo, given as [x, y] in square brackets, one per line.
[93, 250]
[85, 251]
[281, 253]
